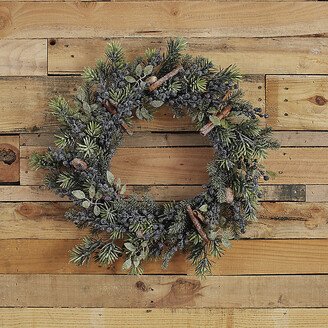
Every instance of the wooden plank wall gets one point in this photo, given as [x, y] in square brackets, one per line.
[276, 276]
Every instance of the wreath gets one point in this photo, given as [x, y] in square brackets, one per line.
[91, 129]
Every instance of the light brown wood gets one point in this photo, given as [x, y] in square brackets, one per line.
[302, 138]
[299, 165]
[318, 193]
[39, 91]
[163, 292]
[251, 55]
[23, 57]
[187, 165]
[197, 19]
[286, 193]
[158, 139]
[299, 256]
[281, 220]
[9, 159]
[297, 102]
[164, 318]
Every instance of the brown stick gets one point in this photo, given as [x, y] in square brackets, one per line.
[164, 78]
[197, 224]
[209, 126]
[111, 108]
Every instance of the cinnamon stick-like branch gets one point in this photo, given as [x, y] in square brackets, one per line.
[111, 108]
[209, 126]
[164, 78]
[197, 224]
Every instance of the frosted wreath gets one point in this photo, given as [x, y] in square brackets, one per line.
[135, 227]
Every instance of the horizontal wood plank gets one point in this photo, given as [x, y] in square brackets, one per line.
[163, 292]
[279, 193]
[23, 57]
[39, 91]
[159, 139]
[9, 159]
[297, 102]
[43, 220]
[163, 318]
[299, 256]
[251, 55]
[159, 19]
[187, 165]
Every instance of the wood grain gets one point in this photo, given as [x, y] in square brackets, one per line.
[23, 57]
[298, 256]
[163, 318]
[178, 139]
[319, 193]
[43, 220]
[187, 165]
[163, 292]
[251, 55]
[9, 159]
[28, 98]
[297, 102]
[278, 193]
[149, 19]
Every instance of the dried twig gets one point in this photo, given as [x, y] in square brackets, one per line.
[164, 78]
[197, 224]
[112, 109]
[224, 113]
[209, 126]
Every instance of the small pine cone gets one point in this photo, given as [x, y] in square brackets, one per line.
[152, 79]
[229, 195]
[79, 164]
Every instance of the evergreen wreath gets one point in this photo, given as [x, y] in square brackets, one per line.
[137, 227]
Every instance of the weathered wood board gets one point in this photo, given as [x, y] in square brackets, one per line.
[276, 275]
[160, 19]
[296, 55]
[9, 159]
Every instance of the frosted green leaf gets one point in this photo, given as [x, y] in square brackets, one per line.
[92, 191]
[123, 190]
[96, 210]
[215, 120]
[130, 79]
[157, 103]
[148, 69]
[110, 177]
[138, 70]
[203, 208]
[130, 247]
[86, 204]
[127, 264]
[86, 107]
[79, 194]
[136, 262]
[226, 242]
